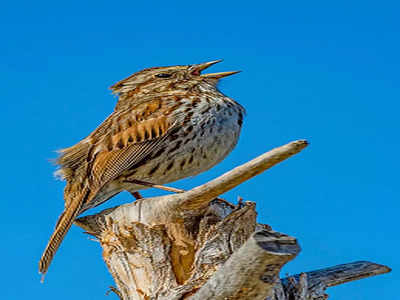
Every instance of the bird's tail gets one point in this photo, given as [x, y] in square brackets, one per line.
[63, 224]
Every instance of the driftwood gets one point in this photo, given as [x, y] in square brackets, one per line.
[191, 245]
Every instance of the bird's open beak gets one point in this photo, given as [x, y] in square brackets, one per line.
[200, 67]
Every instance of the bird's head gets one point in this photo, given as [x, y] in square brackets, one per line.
[174, 78]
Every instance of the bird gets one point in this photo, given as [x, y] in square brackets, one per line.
[169, 123]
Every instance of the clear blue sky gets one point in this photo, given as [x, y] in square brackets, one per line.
[327, 72]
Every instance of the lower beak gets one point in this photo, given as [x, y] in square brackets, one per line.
[219, 75]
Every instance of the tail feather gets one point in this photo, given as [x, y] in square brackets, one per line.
[63, 224]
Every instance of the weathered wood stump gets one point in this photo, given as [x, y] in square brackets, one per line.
[193, 246]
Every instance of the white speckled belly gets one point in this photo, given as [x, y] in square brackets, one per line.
[210, 140]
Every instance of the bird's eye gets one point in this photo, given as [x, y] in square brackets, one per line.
[163, 75]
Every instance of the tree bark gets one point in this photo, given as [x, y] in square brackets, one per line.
[192, 245]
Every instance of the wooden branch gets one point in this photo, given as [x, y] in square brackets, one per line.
[165, 209]
[194, 246]
[312, 285]
[253, 270]
[343, 273]
[199, 197]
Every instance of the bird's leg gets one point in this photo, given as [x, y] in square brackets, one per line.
[157, 186]
[166, 188]
[136, 195]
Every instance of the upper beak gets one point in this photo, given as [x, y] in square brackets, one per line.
[200, 67]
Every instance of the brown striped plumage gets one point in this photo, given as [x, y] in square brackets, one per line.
[169, 123]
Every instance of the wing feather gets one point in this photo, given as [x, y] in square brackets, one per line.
[110, 165]
[130, 139]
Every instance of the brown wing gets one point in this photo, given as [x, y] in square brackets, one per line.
[129, 147]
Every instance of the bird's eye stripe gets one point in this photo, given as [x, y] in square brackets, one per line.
[163, 75]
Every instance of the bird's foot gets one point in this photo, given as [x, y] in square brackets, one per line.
[136, 195]
[166, 188]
